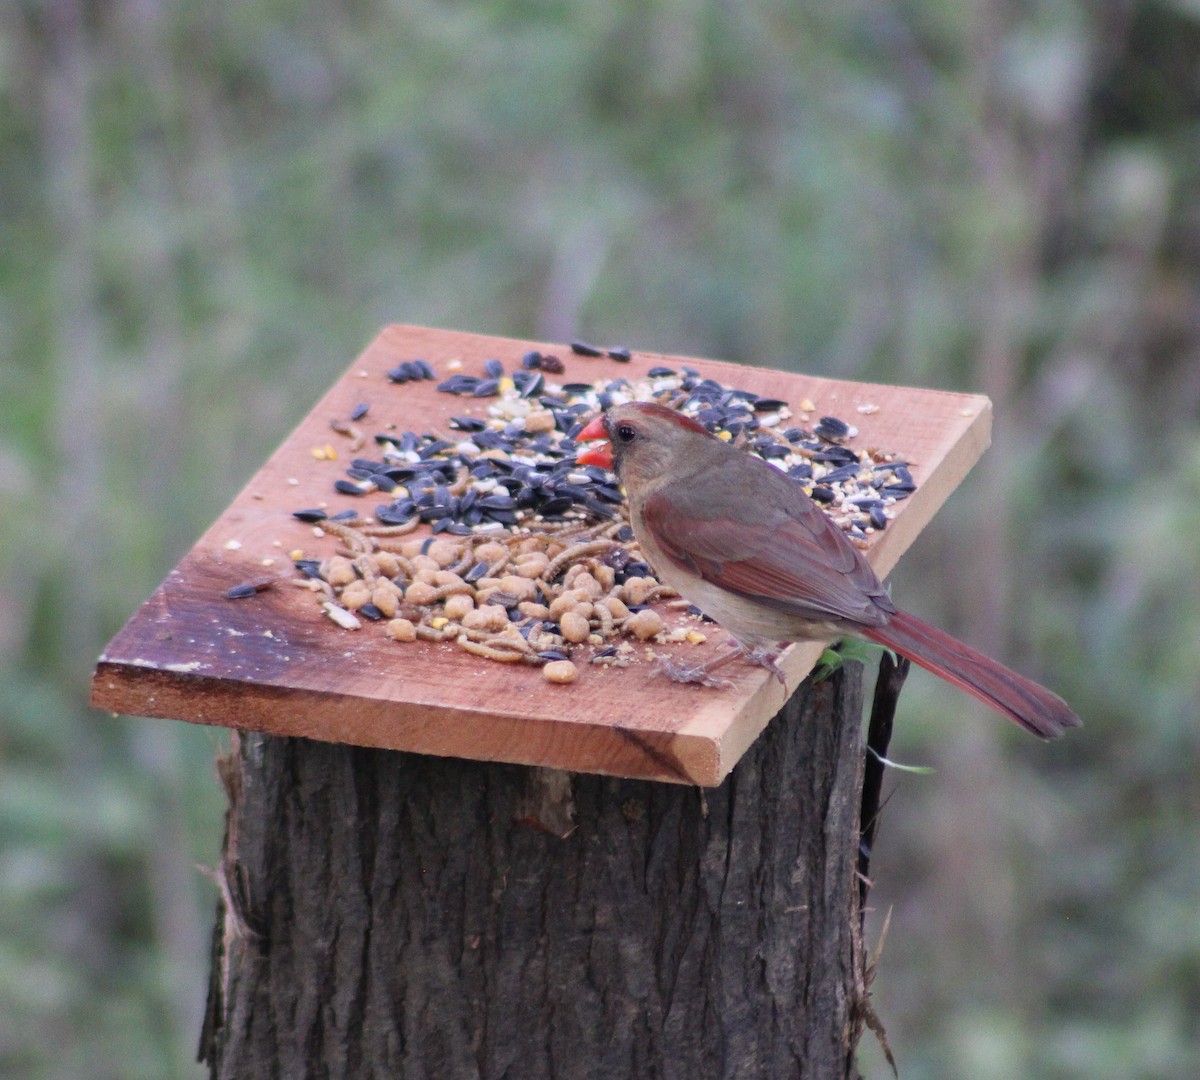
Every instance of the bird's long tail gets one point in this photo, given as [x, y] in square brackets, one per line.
[1032, 706]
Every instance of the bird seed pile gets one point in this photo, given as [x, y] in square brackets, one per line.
[525, 556]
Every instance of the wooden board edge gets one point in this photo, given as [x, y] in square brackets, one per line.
[931, 496]
[684, 757]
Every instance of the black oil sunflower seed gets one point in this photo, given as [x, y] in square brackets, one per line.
[831, 427]
[839, 475]
[459, 384]
[556, 506]
[432, 449]
[528, 383]
[836, 455]
[394, 514]
[598, 509]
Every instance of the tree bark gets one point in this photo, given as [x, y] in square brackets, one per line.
[391, 915]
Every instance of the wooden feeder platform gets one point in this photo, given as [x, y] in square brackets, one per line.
[275, 663]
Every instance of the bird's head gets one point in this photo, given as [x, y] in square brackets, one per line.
[643, 440]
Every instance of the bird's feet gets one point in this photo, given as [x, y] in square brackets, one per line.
[767, 658]
[702, 674]
[697, 674]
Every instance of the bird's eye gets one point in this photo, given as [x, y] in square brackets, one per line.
[625, 433]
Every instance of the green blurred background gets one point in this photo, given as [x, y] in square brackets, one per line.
[207, 209]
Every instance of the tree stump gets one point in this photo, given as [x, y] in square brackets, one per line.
[387, 914]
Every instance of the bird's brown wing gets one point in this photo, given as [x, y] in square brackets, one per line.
[800, 563]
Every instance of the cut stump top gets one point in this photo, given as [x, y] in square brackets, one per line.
[275, 663]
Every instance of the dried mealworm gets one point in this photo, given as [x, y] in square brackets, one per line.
[392, 530]
[578, 551]
[354, 539]
[488, 650]
[353, 433]
[313, 585]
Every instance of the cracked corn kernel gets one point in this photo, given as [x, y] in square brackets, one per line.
[385, 599]
[401, 630]
[522, 588]
[588, 585]
[444, 553]
[355, 595]
[560, 671]
[565, 602]
[340, 571]
[488, 617]
[574, 627]
[635, 590]
[540, 421]
[645, 624]
[457, 606]
[420, 593]
[533, 564]
[616, 607]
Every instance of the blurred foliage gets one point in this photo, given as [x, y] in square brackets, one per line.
[206, 209]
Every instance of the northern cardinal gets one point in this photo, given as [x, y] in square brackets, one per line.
[743, 542]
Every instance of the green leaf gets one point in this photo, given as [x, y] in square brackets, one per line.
[841, 651]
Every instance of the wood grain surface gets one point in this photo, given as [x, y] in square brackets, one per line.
[275, 663]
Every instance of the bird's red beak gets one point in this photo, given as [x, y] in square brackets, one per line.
[596, 455]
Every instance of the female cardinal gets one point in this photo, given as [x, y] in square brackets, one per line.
[742, 541]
